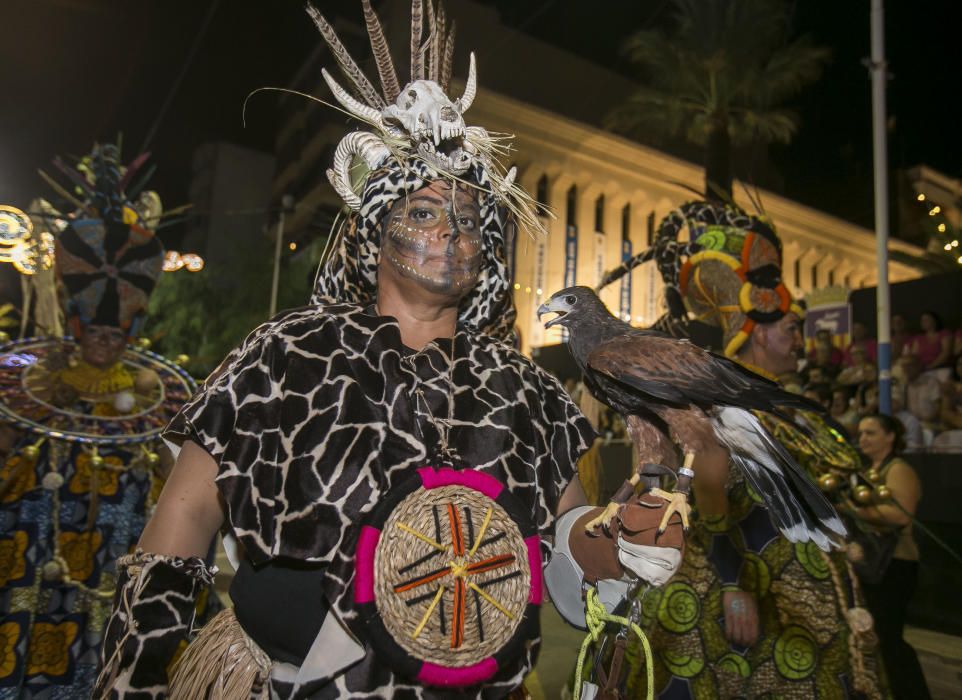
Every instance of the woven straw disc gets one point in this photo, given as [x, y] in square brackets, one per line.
[402, 558]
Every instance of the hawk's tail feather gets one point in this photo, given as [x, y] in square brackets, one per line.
[794, 501]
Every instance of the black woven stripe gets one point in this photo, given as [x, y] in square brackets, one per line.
[499, 579]
[467, 519]
[422, 598]
[441, 613]
[426, 558]
[477, 610]
[418, 578]
[491, 540]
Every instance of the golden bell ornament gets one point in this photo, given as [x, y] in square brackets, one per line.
[873, 475]
[52, 481]
[862, 494]
[4, 337]
[153, 459]
[30, 452]
[182, 359]
[52, 571]
[828, 482]
[883, 492]
[146, 381]
[96, 461]
[144, 343]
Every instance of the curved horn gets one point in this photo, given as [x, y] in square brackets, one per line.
[470, 88]
[359, 110]
[370, 148]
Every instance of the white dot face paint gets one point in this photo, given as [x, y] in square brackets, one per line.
[433, 237]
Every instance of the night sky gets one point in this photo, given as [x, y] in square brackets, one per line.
[74, 71]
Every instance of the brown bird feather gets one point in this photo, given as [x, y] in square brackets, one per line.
[382, 53]
[417, 65]
[447, 60]
[429, 67]
[437, 43]
[347, 65]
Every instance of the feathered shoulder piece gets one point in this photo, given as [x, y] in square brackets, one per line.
[417, 120]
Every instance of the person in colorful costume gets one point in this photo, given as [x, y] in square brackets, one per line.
[750, 614]
[77, 488]
[388, 462]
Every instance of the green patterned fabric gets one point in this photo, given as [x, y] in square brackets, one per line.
[805, 648]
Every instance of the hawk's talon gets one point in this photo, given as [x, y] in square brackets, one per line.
[603, 519]
[677, 503]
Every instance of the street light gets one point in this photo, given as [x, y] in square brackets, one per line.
[18, 244]
[174, 261]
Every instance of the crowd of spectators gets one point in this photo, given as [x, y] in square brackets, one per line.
[926, 380]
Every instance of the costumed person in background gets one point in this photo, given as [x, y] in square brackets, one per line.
[750, 613]
[388, 462]
[889, 566]
[77, 489]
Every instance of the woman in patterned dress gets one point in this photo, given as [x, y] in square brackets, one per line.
[77, 488]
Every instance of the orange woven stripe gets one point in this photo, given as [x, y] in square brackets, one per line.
[457, 620]
[495, 562]
[457, 537]
[423, 580]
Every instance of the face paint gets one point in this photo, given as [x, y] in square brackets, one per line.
[433, 236]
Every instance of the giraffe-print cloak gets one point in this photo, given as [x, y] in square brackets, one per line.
[316, 416]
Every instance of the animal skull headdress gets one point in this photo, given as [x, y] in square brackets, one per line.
[418, 134]
[417, 120]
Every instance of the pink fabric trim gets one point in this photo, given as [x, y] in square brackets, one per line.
[534, 561]
[364, 564]
[484, 483]
[432, 674]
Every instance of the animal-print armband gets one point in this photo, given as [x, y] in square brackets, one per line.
[152, 616]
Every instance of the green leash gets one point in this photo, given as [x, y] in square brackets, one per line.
[596, 617]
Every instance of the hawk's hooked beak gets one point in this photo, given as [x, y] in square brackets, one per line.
[552, 306]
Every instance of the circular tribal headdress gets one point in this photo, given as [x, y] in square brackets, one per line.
[106, 256]
[416, 134]
[728, 273]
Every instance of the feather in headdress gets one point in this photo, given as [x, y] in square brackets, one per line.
[347, 65]
[382, 54]
[417, 67]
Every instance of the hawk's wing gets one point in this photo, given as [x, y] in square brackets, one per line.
[677, 372]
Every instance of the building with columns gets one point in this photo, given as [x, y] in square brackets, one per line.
[607, 194]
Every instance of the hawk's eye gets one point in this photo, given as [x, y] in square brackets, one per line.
[571, 299]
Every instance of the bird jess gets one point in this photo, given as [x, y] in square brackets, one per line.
[673, 395]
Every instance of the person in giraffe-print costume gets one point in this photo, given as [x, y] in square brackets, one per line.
[401, 366]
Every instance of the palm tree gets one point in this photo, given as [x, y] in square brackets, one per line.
[718, 79]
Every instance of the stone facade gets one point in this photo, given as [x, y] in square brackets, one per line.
[611, 190]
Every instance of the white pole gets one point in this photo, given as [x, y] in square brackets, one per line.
[277, 264]
[879, 135]
[287, 206]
